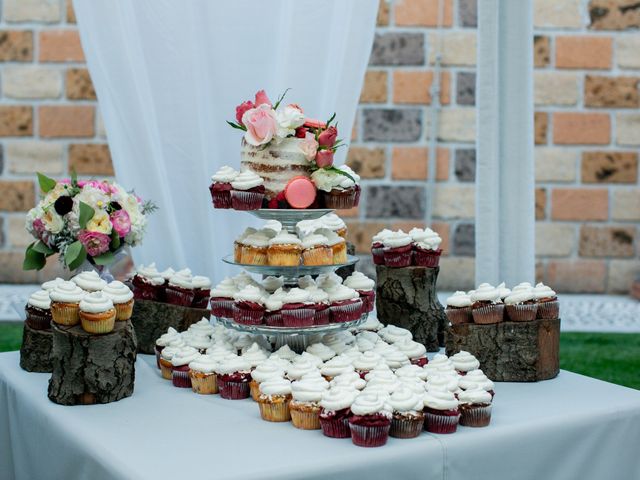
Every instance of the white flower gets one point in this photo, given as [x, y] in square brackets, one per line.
[53, 222]
[289, 118]
[93, 197]
[132, 206]
[100, 223]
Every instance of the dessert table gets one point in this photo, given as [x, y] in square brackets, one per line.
[569, 427]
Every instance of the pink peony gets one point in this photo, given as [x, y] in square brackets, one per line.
[309, 147]
[242, 108]
[95, 243]
[261, 124]
[121, 222]
[262, 99]
[324, 158]
[328, 137]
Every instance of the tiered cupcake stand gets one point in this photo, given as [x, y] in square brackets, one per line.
[300, 337]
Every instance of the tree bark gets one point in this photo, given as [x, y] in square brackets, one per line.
[91, 368]
[406, 297]
[151, 319]
[35, 351]
[510, 351]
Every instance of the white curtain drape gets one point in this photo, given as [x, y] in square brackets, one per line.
[505, 211]
[168, 74]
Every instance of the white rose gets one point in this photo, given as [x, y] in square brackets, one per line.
[93, 197]
[100, 223]
[53, 222]
[289, 118]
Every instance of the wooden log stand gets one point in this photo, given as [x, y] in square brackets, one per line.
[406, 297]
[35, 351]
[510, 351]
[151, 319]
[90, 369]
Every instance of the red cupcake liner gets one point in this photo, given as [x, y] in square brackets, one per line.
[488, 314]
[158, 350]
[377, 252]
[180, 378]
[426, 258]
[435, 423]
[521, 313]
[368, 298]
[421, 362]
[335, 427]
[347, 312]
[369, 436]
[241, 200]
[398, 257]
[222, 307]
[475, 415]
[548, 310]
[459, 315]
[342, 201]
[247, 316]
[221, 198]
[298, 317]
[406, 427]
[145, 292]
[273, 319]
[233, 390]
[322, 317]
[356, 196]
[200, 298]
[38, 319]
[179, 297]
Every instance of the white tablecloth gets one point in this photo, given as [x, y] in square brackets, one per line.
[570, 427]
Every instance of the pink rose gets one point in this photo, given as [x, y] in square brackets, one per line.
[261, 124]
[301, 132]
[324, 158]
[121, 222]
[95, 243]
[309, 147]
[242, 108]
[328, 137]
[262, 99]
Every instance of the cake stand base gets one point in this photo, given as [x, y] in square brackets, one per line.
[35, 351]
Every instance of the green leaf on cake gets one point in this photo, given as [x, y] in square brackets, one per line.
[105, 259]
[42, 248]
[341, 172]
[74, 255]
[86, 214]
[46, 184]
[33, 260]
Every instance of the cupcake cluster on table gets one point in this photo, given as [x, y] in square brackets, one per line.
[86, 299]
[180, 287]
[420, 247]
[326, 299]
[488, 304]
[366, 384]
[315, 243]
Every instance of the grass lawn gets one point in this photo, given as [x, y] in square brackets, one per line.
[613, 357]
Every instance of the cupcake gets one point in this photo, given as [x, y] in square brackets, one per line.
[316, 250]
[122, 298]
[377, 247]
[285, 353]
[327, 281]
[440, 411]
[370, 421]
[166, 367]
[262, 373]
[221, 187]
[180, 366]
[171, 337]
[203, 376]
[503, 291]
[197, 340]
[89, 281]
[305, 404]
[336, 366]
[300, 367]
[297, 310]
[51, 284]
[274, 398]
[335, 190]
[476, 379]
[346, 305]
[486, 307]
[248, 306]
[284, 250]
[407, 418]
[411, 371]
[335, 412]
[180, 290]
[397, 249]
[415, 351]
[38, 310]
[319, 301]
[333, 222]
[233, 375]
[222, 298]
[321, 351]
[238, 244]
[365, 288]
[520, 304]
[459, 308]
[475, 408]
[97, 313]
[147, 283]
[393, 334]
[65, 303]
[247, 191]
[273, 308]
[271, 228]
[255, 355]
[201, 291]
[426, 247]
[366, 362]
[166, 274]
[350, 380]
[395, 359]
[548, 305]
[271, 284]
[464, 362]
[338, 246]
[254, 249]
[445, 382]
[372, 324]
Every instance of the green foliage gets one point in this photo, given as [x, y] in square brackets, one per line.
[105, 259]
[46, 184]
[237, 126]
[74, 255]
[86, 214]
[33, 259]
[115, 241]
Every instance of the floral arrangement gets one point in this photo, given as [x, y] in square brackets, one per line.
[83, 220]
[265, 123]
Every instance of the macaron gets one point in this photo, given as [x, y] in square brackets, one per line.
[300, 192]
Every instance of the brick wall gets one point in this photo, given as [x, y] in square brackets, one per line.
[587, 131]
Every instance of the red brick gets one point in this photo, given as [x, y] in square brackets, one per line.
[579, 204]
[414, 87]
[583, 52]
[422, 13]
[374, 89]
[17, 196]
[16, 121]
[541, 125]
[412, 163]
[79, 85]
[66, 121]
[577, 276]
[90, 159]
[16, 45]
[360, 234]
[60, 46]
[573, 128]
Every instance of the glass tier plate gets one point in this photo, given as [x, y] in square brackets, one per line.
[267, 330]
[290, 272]
[290, 217]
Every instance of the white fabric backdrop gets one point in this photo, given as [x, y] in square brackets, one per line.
[169, 73]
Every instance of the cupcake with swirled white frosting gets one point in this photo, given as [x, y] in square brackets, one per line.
[475, 407]
[416, 351]
[370, 420]
[284, 250]
[441, 411]
[392, 333]
[203, 375]
[459, 308]
[319, 301]
[220, 187]
[316, 250]
[238, 244]
[148, 283]
[306, 394]
[397, 249]
[97, 314]
[274, 398]
[38, 310]
[464, 362]
[548, 305]
[89, 281]
[180, 290]
[164, 341]
[233, 376]
[365, 287]
[180, 362]
[222, 298]
[297, 310]
[249, 306]
[408, 419]
[333, 222]
[51, 284]
[263, 372]
[201, 291]
[520, 305]
[122, 298]
[377, 247]
[426, 247]
[247, 191]
[337, 244]
[346, 305]
[486, 305]
[336, 410]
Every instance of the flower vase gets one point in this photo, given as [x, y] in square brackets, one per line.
[116, 270]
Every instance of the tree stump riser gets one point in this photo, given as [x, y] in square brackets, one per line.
[35, 351]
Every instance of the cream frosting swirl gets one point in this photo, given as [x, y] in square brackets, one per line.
[459, 299]
[95, 302]
[475, 379]
[504, 291]
[317, 295]
[410, 348]
[51, 284]
[340, 293]
[543, 291]
[150, 274]
[485, 293]
[299, 368]
[40, 299]
[267, 370]
[225, 289]
[396, 239]
[168, 352]
[246, 180]
[247, 231]
[359, 281]
[275, 386]
[369, 404]
[339, 398]
[250, 293]
[255, 355]
[167, 273]
[337, 366]
[89, 281]
[464, 362]
[201, 282]
[393, 334]
[333, 222]
[118, 292]
[440, 400]
[349, 380]
[184, 356]
[313, 359]
[520, 295]
[395, 358]
[182, 279]
[367, 361]
[411, 371]
[166, 338]
[203, 364]
[286, 353]
[285, 238]
[443, 382]
[475, 396]
[233, 364]
[271, 284]
[332, 237]
[372, 324]
[309, 389]
[306, 282]
[321, 351]
[297, 295]
[314, 240]
[405, 400]
[328, 280]
[225, 174]
[380, 236]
